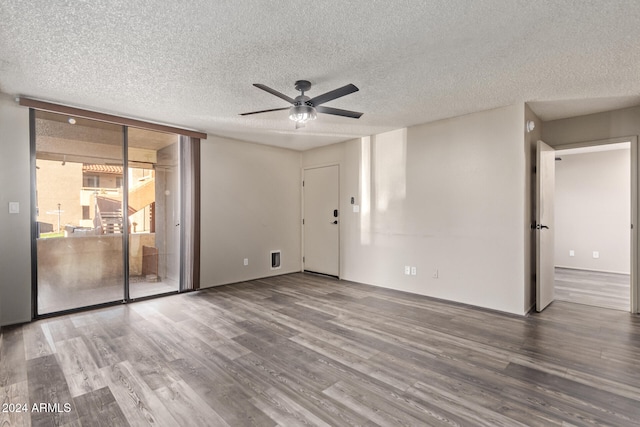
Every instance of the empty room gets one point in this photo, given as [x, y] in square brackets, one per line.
[337, 214]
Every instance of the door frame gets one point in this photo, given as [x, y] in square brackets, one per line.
[124, 123]
[633, 142]
[302, 237]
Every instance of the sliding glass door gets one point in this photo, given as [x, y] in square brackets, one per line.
[89, 248]
[79, 215]
[154, 212]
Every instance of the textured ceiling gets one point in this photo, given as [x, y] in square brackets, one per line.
[192, 64]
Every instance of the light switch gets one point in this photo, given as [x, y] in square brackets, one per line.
[356, 208]
[596, 254]
[572, 252]
[14, 207]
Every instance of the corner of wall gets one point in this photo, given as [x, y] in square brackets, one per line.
[250, 202]
[423, 188]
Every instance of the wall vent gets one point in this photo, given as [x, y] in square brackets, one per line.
[275, 260]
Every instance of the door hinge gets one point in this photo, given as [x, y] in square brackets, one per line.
[302, 221]
[303, 259]
[303, 183]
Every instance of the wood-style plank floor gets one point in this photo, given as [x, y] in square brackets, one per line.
[600, 289]
[304, 350]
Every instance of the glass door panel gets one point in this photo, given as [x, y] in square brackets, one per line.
[154, 212]
[79, 229]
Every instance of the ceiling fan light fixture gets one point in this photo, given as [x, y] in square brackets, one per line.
[305, 109]
[302, 113]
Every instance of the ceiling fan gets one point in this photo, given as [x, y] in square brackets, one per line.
[303, 108]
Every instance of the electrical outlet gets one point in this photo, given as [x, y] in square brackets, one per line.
[414, 271]
[435, 274]
[246, 261]
[572, 252]
[407, 270]
[596, 254]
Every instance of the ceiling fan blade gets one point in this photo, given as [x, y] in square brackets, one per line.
[264, 111]
[338, 112]
[334, 94]
[274, 92]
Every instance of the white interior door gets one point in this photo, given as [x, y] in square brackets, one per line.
[545, 191]
[321, 220]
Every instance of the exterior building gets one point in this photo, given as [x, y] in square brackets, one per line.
[69, 195]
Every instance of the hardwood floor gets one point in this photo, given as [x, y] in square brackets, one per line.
[608, 290]
[304, 350]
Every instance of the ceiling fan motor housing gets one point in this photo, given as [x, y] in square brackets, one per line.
[303, 85]
[302, 100]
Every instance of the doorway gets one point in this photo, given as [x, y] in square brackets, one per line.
[592, 218]
[628, 230]
[321, 221]
[107, 212]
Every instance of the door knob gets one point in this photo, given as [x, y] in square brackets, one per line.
[535, 226]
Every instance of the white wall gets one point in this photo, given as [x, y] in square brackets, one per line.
[592, 127]
[250, 206]
[15, 248]
[446, 196]
[592, 208]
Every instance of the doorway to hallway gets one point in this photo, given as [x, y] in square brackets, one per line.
[592, 218]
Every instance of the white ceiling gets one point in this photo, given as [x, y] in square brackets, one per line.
[192, 64]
